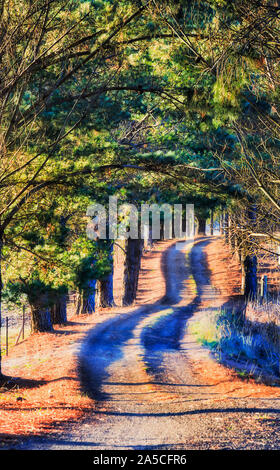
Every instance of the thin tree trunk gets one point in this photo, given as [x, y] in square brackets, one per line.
[148, 241]
[212, 222]
[132, 267]
[251, 261]
[104, 287]
[119, 267]
[249, 283]
[59, 311]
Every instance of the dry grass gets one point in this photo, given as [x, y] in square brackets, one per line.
[224, 268]
[225, 275]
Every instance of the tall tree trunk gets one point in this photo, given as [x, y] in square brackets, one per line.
[104, 287]
[148, 240]
[104, 292]
[249, 283]
[40, 316]
[201, 229]
[119, 266]
[211, 222]
[86, 300]
[59, 311]
[251, 261]
[132, 267]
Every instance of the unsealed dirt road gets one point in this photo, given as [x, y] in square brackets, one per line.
[138, 369]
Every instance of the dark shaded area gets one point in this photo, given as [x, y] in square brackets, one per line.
[199, 411]
[140, 384]
[10, 383]
[17, 383]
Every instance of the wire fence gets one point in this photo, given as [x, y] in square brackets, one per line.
[16, 323]
[15, 327]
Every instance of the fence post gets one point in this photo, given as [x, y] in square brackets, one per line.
[263, 292]
[261, 287]
[7, 336]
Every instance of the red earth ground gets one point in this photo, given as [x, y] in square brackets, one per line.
[225, 274]
[47, 395]
[48, 392]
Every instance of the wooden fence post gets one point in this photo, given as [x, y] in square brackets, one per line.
[263, 292]
[21, 331]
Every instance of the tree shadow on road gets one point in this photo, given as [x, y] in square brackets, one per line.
[104, 344]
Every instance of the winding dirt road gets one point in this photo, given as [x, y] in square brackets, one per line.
[137, 369]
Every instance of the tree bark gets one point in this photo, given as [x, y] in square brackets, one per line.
[148, 240]
[251, 261]
[86, 300]
[132, 267]
[59, 311]
[212, 222]
[104, 287]
[104, 292]
[40, 316]
[119, 267]
[201, 229]
[249, 276]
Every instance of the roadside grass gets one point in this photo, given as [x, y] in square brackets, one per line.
[229, 335]
[12, 338]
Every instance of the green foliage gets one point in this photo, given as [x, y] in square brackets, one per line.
[163, 92]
